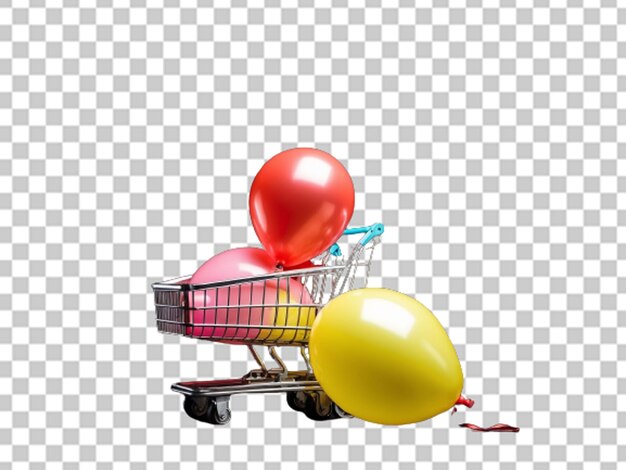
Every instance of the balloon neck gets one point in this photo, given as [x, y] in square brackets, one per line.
[462, 400]
[468, 402]
[279, 267]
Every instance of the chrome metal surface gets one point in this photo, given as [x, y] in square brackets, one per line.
[247, 387]
[257, 358]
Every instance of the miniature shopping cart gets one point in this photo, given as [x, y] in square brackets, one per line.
[270, 310]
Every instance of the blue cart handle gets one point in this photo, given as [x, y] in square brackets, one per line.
[370, 232]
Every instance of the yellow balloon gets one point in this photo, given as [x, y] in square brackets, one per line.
[384, 357]
[289, 317]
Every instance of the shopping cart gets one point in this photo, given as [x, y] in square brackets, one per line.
[270, 310]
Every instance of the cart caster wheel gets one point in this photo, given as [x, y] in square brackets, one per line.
[196, 407]
[297, 401]
[213, 410]
[319, 407]
[219, 412]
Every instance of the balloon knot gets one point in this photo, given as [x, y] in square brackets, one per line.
[462, 400]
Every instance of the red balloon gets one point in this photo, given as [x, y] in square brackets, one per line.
[300, 203]
[305, 265]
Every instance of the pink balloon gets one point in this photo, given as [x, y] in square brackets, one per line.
[233, 264]
[248, 322]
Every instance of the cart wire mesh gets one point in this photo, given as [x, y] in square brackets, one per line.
[272, 309]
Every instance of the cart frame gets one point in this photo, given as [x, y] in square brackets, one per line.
[208, 401]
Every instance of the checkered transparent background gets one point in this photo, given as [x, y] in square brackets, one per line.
[487, 135]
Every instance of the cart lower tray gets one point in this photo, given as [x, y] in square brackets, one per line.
[209, 400]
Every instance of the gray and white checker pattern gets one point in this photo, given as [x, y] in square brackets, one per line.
[487, 135]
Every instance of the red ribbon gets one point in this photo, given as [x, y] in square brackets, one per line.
[495, 428]
[468, 402]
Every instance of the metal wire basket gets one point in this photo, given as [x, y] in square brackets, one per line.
[271, 309]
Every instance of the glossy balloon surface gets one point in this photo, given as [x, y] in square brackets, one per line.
[305, 265]
[232, 264]
[248, 322]
[384, 357]
[298, 320]
[300, 202]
